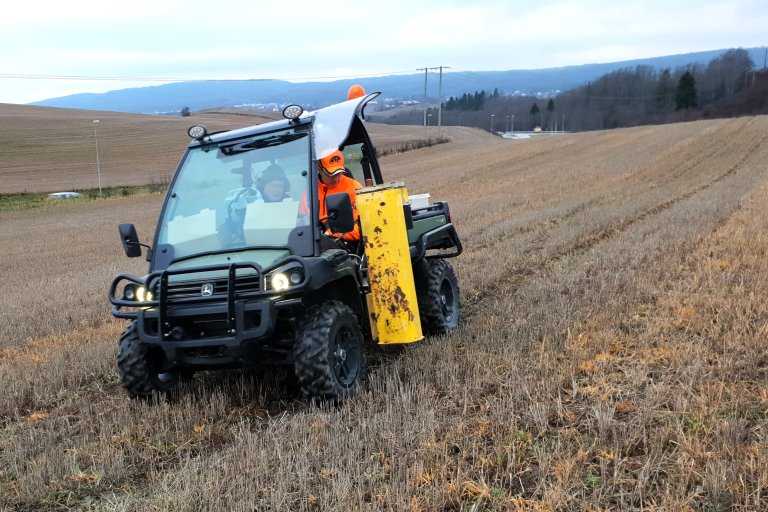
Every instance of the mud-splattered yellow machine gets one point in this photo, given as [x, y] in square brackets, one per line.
[246, 268]
[392, 300]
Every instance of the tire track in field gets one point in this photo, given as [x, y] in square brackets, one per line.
[539, 226]
[613, 189]
[721, 144]
[594, 238]
[512, 275]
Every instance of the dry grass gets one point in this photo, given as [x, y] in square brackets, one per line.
[614, 354]
[50, 149]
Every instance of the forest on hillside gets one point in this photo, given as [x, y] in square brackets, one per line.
[728, 86]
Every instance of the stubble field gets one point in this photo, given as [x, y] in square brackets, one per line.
[613, 354]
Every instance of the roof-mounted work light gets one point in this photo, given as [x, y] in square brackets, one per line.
[197, 132]
[292, 112]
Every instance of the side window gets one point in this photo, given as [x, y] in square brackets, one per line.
[353, 155]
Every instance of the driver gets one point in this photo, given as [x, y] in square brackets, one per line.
[333, 181]
[273, 184]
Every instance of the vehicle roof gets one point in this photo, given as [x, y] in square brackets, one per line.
[330, 125]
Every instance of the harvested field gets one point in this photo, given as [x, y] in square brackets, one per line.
[613, 355]
[52, 149]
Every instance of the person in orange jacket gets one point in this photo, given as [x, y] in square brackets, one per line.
[333, 181]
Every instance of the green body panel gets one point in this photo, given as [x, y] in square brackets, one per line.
[421, 226]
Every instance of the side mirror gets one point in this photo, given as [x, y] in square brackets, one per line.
[341, 219]
[130, 240]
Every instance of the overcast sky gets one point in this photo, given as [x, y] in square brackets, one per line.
[44, 44]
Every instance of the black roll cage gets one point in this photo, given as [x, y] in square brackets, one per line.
[359, 135]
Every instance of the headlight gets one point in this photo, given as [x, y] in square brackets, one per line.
[137, 293]
[285, 277]
[280, 282]
[129, 292]
[142, 294]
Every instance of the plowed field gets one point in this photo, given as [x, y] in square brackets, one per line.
[613, 355]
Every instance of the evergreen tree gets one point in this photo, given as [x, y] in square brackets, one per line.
[665, 91]
[550, 113]
[686, 92]
[535, 110]
[480, 101]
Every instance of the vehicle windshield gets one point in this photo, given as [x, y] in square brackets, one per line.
[239, 194]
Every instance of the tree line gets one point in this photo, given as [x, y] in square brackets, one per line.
[727, 86]
[644, 95]
[470, 102]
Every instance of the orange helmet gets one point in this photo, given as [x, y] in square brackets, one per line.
[356, 91]
[332, 164]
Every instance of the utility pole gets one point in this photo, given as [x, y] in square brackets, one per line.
[425, 97]
[425, 70]
[440, 99]
[96, 139]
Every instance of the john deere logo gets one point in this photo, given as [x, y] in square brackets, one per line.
[206, 290]
[335, 159]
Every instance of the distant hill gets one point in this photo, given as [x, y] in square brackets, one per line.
[267, 94]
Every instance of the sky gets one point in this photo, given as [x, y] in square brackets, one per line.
[54, 48]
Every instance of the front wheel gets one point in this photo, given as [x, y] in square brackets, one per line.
[329, 357]
[138, 372]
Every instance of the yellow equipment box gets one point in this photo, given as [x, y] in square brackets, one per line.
[392, 304]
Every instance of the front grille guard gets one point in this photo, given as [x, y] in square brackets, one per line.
[159, 281]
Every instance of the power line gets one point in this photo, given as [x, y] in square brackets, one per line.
[24, 76]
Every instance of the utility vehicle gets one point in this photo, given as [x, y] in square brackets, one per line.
[238, 281]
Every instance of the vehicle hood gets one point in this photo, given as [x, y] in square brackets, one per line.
[262, 257]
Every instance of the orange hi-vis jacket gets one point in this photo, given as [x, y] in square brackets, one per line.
[346, 184]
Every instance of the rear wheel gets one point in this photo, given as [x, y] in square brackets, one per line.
[329, 357]
[138, 372]
[439, 297]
